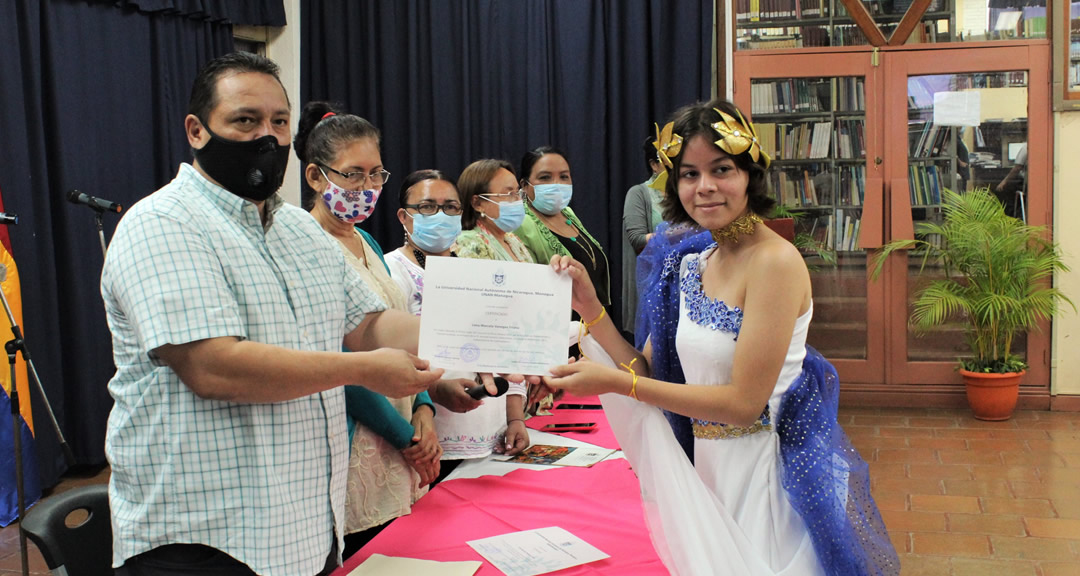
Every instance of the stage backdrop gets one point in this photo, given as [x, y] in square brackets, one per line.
[93, 97]
[453, 81]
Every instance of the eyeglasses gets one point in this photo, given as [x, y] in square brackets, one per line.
[358, 179]
[431, 208]
[511, 196]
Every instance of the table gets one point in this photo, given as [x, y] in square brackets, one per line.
[601, 505]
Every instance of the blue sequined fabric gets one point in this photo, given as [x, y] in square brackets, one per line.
[658, 309]
[704, 311]
[826, 480]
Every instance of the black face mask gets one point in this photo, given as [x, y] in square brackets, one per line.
[252, 169]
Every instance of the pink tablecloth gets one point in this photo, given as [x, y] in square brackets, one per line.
[601, 505]
[602, 436]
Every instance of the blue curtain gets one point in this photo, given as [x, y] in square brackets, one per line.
[452, 81]
[93, 97]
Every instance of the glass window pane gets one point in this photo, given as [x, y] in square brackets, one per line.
[774, 24]
[1074, 47]
[814, 129]
[965, 131]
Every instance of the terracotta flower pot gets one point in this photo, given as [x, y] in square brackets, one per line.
[992, 396]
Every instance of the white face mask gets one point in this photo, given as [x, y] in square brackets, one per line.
[550, 199]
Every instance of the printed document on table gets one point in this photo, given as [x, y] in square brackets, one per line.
[543, 454]
[538, 551]
[493, 316]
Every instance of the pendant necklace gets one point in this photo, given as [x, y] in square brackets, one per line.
[585, 244]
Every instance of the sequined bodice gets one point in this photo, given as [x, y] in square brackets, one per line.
[703, 310]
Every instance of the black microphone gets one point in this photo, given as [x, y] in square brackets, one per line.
[9, 218]
[478, 392]
[101, 205]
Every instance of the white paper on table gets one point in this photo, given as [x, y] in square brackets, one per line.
[494, 316]
[537, 551]
[488, 466]
[378, 565]
[957, 108]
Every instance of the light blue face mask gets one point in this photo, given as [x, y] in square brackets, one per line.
[511, 215]
[550, 199]
[436, 233]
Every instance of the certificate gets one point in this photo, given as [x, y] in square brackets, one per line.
[494, 316]
[533, 552]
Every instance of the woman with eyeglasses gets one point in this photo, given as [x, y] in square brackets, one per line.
[551, 227]
[394, 450]
[493, 210]
[430, 213]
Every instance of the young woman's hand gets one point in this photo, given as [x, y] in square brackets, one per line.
[584, 378]
[583, 296]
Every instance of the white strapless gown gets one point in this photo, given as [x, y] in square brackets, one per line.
[727, 513]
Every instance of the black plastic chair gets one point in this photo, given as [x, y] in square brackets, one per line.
[81, 550]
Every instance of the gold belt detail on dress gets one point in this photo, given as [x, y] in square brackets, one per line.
[716, 430]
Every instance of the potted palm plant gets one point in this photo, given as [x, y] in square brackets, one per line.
[997, 272]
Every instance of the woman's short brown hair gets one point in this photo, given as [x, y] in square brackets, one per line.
[697, 119]
[474, 181]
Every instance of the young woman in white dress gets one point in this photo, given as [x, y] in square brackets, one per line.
[775, 487]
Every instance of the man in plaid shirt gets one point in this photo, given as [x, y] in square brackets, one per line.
[228, 310]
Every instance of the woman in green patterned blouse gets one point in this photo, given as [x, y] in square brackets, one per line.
[550, 225]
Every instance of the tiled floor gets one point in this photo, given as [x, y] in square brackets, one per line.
[960, 497]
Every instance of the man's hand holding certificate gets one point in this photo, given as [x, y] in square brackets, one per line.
[492, 316]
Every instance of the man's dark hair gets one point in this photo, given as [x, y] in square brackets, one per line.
[204, 95]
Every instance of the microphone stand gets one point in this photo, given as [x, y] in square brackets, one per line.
[12, 347]
[99, 216]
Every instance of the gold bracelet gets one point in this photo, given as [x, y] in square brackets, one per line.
[633, 385]
[583, 330]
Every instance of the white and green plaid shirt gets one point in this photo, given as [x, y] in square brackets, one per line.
[264, 483]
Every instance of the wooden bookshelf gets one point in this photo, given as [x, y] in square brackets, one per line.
[788, 24]
[814, 129]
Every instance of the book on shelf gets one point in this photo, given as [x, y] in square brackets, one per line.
[795, 188]
[790, 95]
[852, 185]
[851, 95]
[847, 237]
[850, 138]
[924, 182]
[931, 139]
[759, 10]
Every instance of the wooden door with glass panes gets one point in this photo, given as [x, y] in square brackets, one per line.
[964, 118]
[844, 97]
[819, 119]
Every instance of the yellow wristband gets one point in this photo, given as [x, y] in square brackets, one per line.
[633, 384]
[583, 330]
[588, 325]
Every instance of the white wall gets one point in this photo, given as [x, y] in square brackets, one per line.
[283, 47]
[1065, 360]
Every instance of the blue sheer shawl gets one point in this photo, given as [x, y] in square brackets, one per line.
[826, 480]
